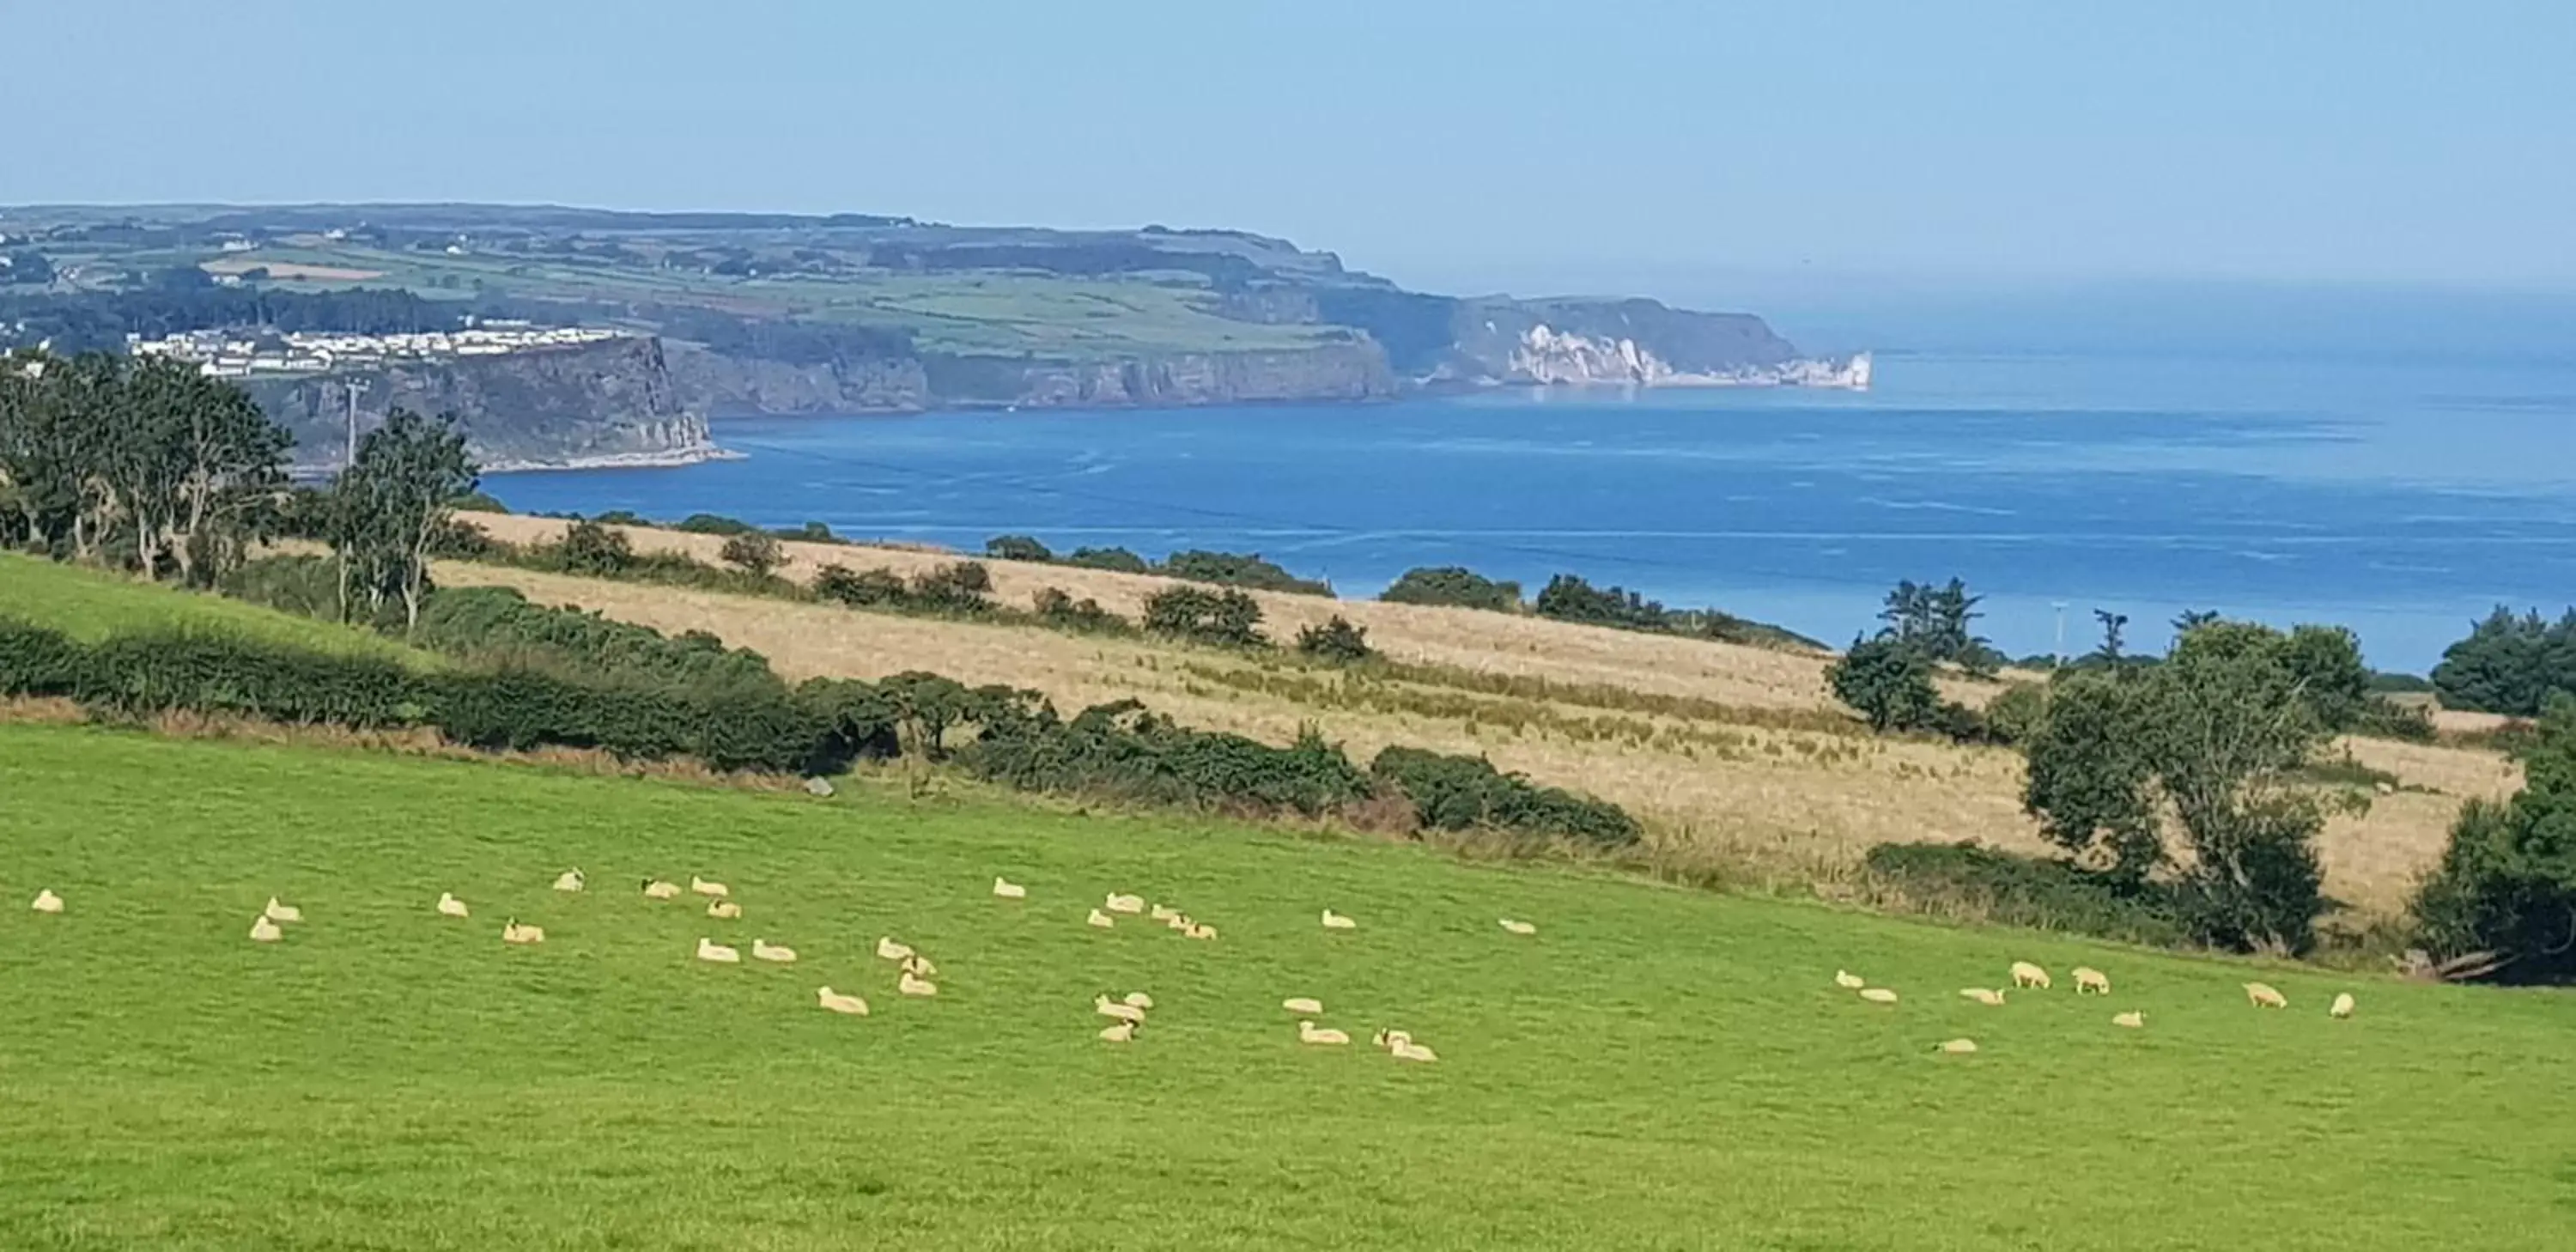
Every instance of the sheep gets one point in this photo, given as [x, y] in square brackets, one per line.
[1140, 999]
[1163, 912]
[281, 913]
[1117, 903]
[2025, 974]
[2089, 979]
[569, 880]
[1408, 1050]
[889, 950]
[911, 986]
[1518, 928]
[1306, 1005]
[2263, 995]
[2343, 1005]
[513, 932]
[450, 906]
[1005, 889]
[1198, 931]
[1390, 1039]
[1099, 919]
[1309, 1032]
[918, 966]
[48, 902]
[263, 930]
[1848, 980]
[656, 889]
[710, 950]
[705, 888]
[2132, 1019]
[1958, 1047]
[763, 950]
[1991, 999]
[723, 910]
[838, 1003]
[1124, 1012]
[1335, 921]
[1177, 921]
[1120, 1033]
[1878, 995]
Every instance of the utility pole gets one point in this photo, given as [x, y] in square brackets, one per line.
[349, 455]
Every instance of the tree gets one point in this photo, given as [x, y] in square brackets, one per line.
[1336, 640]
[1227, 618]
[1453, 585]
[1017, 548]
[592, 548]
[1940, 622]
[2112, 625]
[2509, 664]
[392, 505]
[1889, 682]
[754, 553]
[2506, 887]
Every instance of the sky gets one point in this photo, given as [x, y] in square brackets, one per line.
[1672, 148]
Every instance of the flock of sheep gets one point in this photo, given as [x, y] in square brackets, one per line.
[2088, 981]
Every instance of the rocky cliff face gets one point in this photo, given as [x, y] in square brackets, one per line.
[1630, 342]
[1355, 370]
[608, 403]
[727, 385]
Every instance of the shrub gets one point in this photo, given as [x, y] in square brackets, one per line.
[1238, 570]
[1119, 560]
[1222, 618]
[2387, 719]
[308, 586]
[1120, 749]
[38, 661]
[716, 524]
[1453, 585]
[1017, 548]
[810, 532]
[499, 623]
[2509, 664]
[2014, 715]
[861, 588]
[155, 671]
[1057, 609]
[1568, 598]
[754, 553]
[2507, 881]
[1887, 681]
[1466, 792]
[592, 549]
[955, 588]
[2012, 890]
[1336, 640]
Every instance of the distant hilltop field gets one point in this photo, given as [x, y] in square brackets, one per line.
[330, 310]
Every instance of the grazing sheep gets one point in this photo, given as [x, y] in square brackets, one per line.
[838, 1003]
[1309, 1032]
[1124, 1012]
[513, 932]
[1991, 999]
[710, 950]
[1303, 1004]
[2263, 995]
[763, 950]
[277, 912]
[2132, 1019]
[723, 910]
[450, 906]
[1117, 903]
[1005, 889]
[263, 930]
[1958, 1047]
[48, 902]
[2343, 1005]
[889, 950]
[1335, 921]
[918, 966]
[1518, 928]
[1848, 980]
[2025, 974]
[911, 986]
[1408, 1050]
[1163, 912]
[656, 889]
[1120, 1033]
[705, 888]
[569, 880]
[1878, 995]
[1100, 919]
[1198, 931]
[1140, 1000]
[2089, 979]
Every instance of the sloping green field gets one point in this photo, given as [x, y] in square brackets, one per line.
[1656, 1068]
[89, 604]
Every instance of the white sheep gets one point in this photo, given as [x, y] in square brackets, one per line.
[2025, 974]
[2132, 1019]
[763, 950]
[1117, 903]
[656, 889]
[723, 910]
[1408, 1050]
[1848, 980]
[1984, 996]
[1309, 1032]
[1518, 928]
[513, 932]
[1005, 889]
[450, 906]
[705, 888]
[1140, 999]
[48, 902]
[1335, 921]
[918, 966]
[2263, 995]
[1306, 1005]
[569, 880]
[1390, 1038]
[911, 986]
[1099, 919]
[710, 950]
[281, 913]
[889, 950]
[1163, 912]
[2342, 1006]
[1120, 1010]
[1878, 995]
[2091, 980]
[1199, 931]
[838, 1003]
[1120, 1033]
[1177, 921]
[263, 930]
[1958, 1047]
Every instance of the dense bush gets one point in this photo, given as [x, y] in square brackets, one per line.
[1568, 598]
[1453, 585]
[2015, 713]
[498, 622]
[1889, 682]
[753, 553]
[2025, 891]
[307, 586]
[1467, 792]
[1119, 749]
[715, 524]
[956, 588]
[2509, 664]
[594, 550]
[1235, 569]
[1119, 560]
[1053, 607]
[2507, 881]
[860, 588]
[1224, 618]
[1017, 548]
[1336, 640]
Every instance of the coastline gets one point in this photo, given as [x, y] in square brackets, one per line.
[672, 459]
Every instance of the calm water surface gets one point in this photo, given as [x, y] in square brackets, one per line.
[2401, 497]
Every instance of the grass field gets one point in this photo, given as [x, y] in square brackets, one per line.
[1657, 1068]
[90, 604]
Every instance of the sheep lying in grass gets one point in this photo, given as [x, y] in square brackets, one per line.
[1197, 930]
[1958, 1047]
[450, 906]
[2025, 974]
[1408, 1050]
[1100, 919]
[1303, 1004]
[2263, 995]
[889, 950]
[763, 950]
[710, 950]
[911, 986]
[1140, 1000]
[48, 902]
[918, 966]
[1335, 921]
[569, 880]
[1878, 995]
[656, 889]
[1118, 1009]
[1117, 903]
[723, 910]
[1518, 928]
[513, 932]
[2092, 981]
[705, 888]
[281, 913]
[1989, 998]
[838, 1003]
[1177, 921]
[1120, 1033]
[263, 930]
[2132, 1019]
[1848, 980]
[1390, 1038]
[1005, 889]
[2342, 1006]
[1309, 1032]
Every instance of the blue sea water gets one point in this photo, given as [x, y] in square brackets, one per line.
[2402, 496]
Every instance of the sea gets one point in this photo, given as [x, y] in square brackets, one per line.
[2402, 494]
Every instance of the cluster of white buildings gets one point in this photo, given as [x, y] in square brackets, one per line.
[225, 354]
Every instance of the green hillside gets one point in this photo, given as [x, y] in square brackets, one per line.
[1656, 1068]
[90, 604]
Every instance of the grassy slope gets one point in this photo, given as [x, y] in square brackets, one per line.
[1657, 1068]
[89, 604]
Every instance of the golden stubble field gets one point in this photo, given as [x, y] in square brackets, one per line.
[1776, 786]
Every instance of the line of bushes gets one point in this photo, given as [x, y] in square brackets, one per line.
[1230, 569]
[1963, 879]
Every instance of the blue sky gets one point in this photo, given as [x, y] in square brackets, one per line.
[1466, 146]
